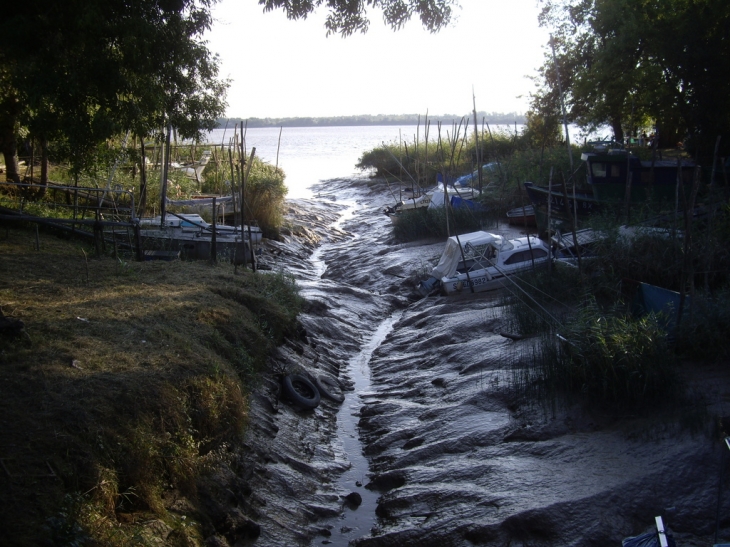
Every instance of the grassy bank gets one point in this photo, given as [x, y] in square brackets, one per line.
[130, 381]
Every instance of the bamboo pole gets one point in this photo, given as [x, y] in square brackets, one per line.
[233, 185]
[562, 102]
[476, 139]
[278, 147]
[574, 227]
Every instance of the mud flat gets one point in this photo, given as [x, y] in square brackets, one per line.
[454, 460]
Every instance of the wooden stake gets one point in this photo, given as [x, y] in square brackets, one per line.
[213, 236]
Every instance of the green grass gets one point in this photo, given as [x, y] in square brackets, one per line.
[129, 386]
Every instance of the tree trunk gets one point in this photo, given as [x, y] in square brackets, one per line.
[44, 161]
[142, 179]
[618, 132]
[8, 146]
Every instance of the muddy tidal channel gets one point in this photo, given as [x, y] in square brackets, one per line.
[427, 448]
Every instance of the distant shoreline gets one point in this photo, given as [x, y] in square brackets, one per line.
[380, 119]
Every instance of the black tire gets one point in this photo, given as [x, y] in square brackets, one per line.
[329, 387]
[301, 391]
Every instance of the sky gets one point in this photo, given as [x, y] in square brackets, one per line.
[281, 68]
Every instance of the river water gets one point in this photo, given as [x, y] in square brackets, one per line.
[309, 155]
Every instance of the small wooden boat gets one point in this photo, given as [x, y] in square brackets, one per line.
[522, 216]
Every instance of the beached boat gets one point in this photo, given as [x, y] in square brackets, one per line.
[563, 206]
[472, 179]
[193, 170]
[522, 216]
[589, 240]
[194, 224]
[565, 250]
[483, 261]
[609, 172]
[192, 237]
[434, 198]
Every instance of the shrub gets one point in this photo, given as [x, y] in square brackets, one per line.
[427, 222]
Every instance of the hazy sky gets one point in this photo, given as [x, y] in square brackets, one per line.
[282, 68]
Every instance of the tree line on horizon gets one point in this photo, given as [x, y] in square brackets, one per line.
[495, 118]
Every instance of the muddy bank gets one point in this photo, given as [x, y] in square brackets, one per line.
[453, 459]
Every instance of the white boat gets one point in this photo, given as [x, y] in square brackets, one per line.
[193, 225]
[589, 241]
[192, 236]
[483, 261]
[433, 198]
[195, 169]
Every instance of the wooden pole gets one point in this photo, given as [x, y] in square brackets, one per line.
[476, 139]
[627, 193]
[213, 240]
[687, 269]
[243, 184]
[278, 147]
[562, 103]
[549, 211]
[142, 179]
[233, 184]
[242, 180]
[572, 219]
[163, 185]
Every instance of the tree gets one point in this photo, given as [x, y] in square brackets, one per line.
[97, 68]
[348, 16]
[623, 62]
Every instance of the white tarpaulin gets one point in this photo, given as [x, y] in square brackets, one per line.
[469, 243]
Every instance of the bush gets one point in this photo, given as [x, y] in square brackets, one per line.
[618, 359]
[428, 222]
[606, 360]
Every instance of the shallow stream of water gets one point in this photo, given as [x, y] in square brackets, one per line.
[357, 521]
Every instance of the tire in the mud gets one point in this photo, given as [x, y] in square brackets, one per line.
[329, 387]
[301, 391]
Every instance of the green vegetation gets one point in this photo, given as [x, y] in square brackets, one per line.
[596, 347]
[510, 160]
[264, 190]
[124, 68]
[640, 65]
[131, 384]
[348, 16]
[607, 360]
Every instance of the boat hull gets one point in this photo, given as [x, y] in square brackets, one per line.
[191, 247]
[480, 280]
[651, 182]
[522, 216]
[581, 205]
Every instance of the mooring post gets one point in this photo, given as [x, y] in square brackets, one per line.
[213, 240]
[138, 242]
